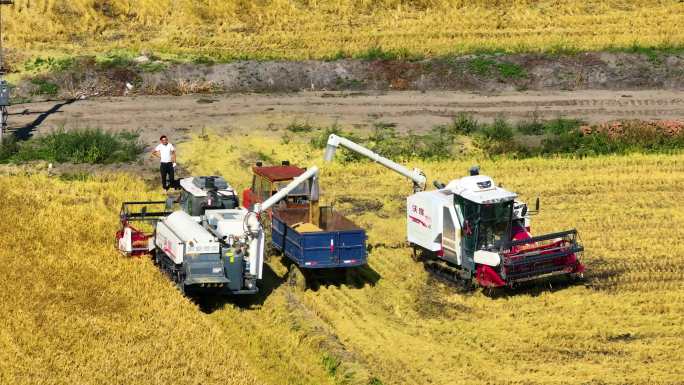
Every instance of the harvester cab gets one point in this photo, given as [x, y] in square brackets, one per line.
[472, 229]
[201, 193]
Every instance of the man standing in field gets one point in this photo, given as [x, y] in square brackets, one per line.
[167, 158]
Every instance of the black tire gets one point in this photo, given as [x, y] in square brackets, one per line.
[417, 253]
[155, 257]
[577, 278]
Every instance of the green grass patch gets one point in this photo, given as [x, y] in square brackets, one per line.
[385, 140]
[557, 126]
[44, 87]
[635, 136]
[376, 53]
[481, 66]
[153, 66]
[79, 176]
[510, 70]
[654, 54]
[535, 137]
[92, 146]
[115, 59]
[330, 364]
[484, 67]
[202, 59]
[49, 64]
[298, 127]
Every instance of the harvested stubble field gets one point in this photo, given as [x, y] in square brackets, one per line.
[77, 312]
[327, 29]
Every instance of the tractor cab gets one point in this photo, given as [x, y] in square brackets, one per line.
[268, 180]
[203, 193]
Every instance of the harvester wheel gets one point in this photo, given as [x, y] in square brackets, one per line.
[467, 284]
[577, 278]
[494, 292]
[417, 253]
[296, 278]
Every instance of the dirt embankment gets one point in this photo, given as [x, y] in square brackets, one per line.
[482, 73]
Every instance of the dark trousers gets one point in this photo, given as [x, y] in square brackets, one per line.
[166, 170]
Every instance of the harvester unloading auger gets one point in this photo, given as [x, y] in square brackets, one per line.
[472, 229]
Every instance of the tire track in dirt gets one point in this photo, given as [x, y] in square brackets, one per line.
[179, 115]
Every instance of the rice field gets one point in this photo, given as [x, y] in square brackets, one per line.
[623, 326]
[78, 312]
[329, 29]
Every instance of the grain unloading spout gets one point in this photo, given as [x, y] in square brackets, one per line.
[416, 175]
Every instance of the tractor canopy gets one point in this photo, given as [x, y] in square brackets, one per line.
[268, 180]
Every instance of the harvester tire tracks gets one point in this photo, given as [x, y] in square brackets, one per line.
[653, 274]
[329, 341]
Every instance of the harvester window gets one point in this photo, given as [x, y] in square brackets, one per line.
[495, 224]
[185, 202]
[459, 215]
[468, 215]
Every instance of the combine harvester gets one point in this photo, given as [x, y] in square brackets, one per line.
[210, 246]
[472, 230]
[318, 242]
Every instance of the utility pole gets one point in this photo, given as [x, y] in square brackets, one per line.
[4, 87]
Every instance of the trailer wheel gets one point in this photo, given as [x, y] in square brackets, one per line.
[296, 278]
[350, 277]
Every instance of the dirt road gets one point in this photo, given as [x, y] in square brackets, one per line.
[409, 110]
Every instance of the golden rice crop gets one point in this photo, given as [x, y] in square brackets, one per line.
[78, 312]
[625, 325]
[317, 29]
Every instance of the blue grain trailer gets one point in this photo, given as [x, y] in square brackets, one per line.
[335, 244]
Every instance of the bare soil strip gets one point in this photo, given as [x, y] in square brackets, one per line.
[408, 110]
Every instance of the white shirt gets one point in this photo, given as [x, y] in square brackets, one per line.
[165, 152]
